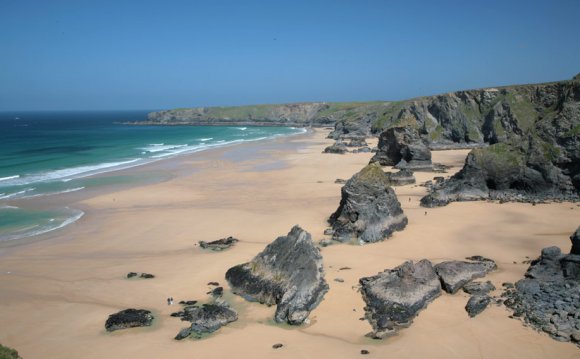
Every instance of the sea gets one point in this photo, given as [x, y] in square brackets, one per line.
[52, 154]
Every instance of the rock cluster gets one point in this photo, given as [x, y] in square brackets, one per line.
[219, 245]
[455, 274]
[403, 148]
[288, 273]
[548, 298]
[142, 275]
[205, 319]
[369, 210]
[129, 318]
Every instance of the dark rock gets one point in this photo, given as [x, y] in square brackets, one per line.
[188, 302]
[344, 268]
[340, 181]
[455, 274]
[339, 280]
[478, 288]
[357, 142]
[362, 150]
[394, 297]
[131, 274]
[337, 147]
[215, 284]
[147, 276]
[220, 244]
[277, 346]
[206, 319]
[477, 304]
[128, 318]
[287, 273]
[575, 238]
[216, 292]
[369, 210]
[401, 178]
[403, 147]
[328, 232]
[364, 352]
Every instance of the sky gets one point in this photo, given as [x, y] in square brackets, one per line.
[145, 54]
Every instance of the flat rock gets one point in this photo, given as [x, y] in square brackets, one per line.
[478, 288]
[394, 297]
[477, 304]
[129, 318]
[219, 245]
[288, 273]
[206, 319]
[455, 274]
[369, 210]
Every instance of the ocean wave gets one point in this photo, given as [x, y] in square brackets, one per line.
[160, 147]
[42, 229]
[241, 128]
[54, 193]
[206, 139]
[8, 207]
[16, 194]
[9, 178]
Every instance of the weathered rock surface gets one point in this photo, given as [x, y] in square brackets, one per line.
[369, 210]
[401, 178]
[477, 304]
[478, 288]
[288, 273]
[548, 298]
[337, 147]
[220, 244]
[206, 319]
[403, 147]
[129, 318]
[394, 297]
[455, 274]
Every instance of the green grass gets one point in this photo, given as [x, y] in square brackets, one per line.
[8, 353]
[574, 131]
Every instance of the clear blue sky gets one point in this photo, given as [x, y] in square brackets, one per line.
[143, 54]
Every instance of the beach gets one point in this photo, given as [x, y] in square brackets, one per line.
[57, 290]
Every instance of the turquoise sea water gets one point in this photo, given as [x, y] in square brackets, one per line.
[46, 154]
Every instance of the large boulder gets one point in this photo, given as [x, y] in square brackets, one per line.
[288, 273]
[394, 297]
[129, 318]
[206, 319]
[477, 304]
[369, 210]
[403, 147]
[455, 274]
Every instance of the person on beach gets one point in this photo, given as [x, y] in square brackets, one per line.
[168, 301]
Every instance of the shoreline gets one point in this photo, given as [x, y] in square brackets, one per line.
[60, 290]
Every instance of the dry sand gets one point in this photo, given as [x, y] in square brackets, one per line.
[56, 293]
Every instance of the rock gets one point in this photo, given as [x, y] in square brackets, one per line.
[478, 288]
[364, 352]
[220, 244]
[403, 148]
[129, 318]
[277, 346]
[216, 292]
[339, 280]
[8, 353]
[357, 142]
[337, 147]
[344, 268]
[206, 319]
[188, 302]
[328, 232]
[362, 150]
[575, 336]
[340, 181]
[477, 304]
[147, 276]
[394, 297]
[369, 210]
[401, 178]
[131, 274]
[575, 238]
[288, 273]
[215, 284]
[455, 274]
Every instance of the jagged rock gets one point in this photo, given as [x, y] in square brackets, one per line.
[477, 304]
[219, 245]
[403, 147]
[129, 318]
[455, 274]
[394, 297]
[8, 353]
[369, 210]
[287, 273]
[337, 147]
[478, 288]
[548, 298]
[401, 178]
[206, 319]
[575, 238]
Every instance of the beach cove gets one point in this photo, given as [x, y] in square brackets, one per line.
[57, 290]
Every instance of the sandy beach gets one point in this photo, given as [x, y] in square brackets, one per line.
[57, 291]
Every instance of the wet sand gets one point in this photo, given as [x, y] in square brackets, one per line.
[57, 290]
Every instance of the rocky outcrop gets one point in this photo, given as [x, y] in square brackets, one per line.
[369, 210]
[548, 298]
[288, 273]
[402, 178]
[455, 274]
[219, 245]
[129, 318]
[477, 304]
[403, 147]
[337, 147]
[206, 319]
[394, 297]
[506, 171]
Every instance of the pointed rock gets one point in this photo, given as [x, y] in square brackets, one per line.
[287, 273]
